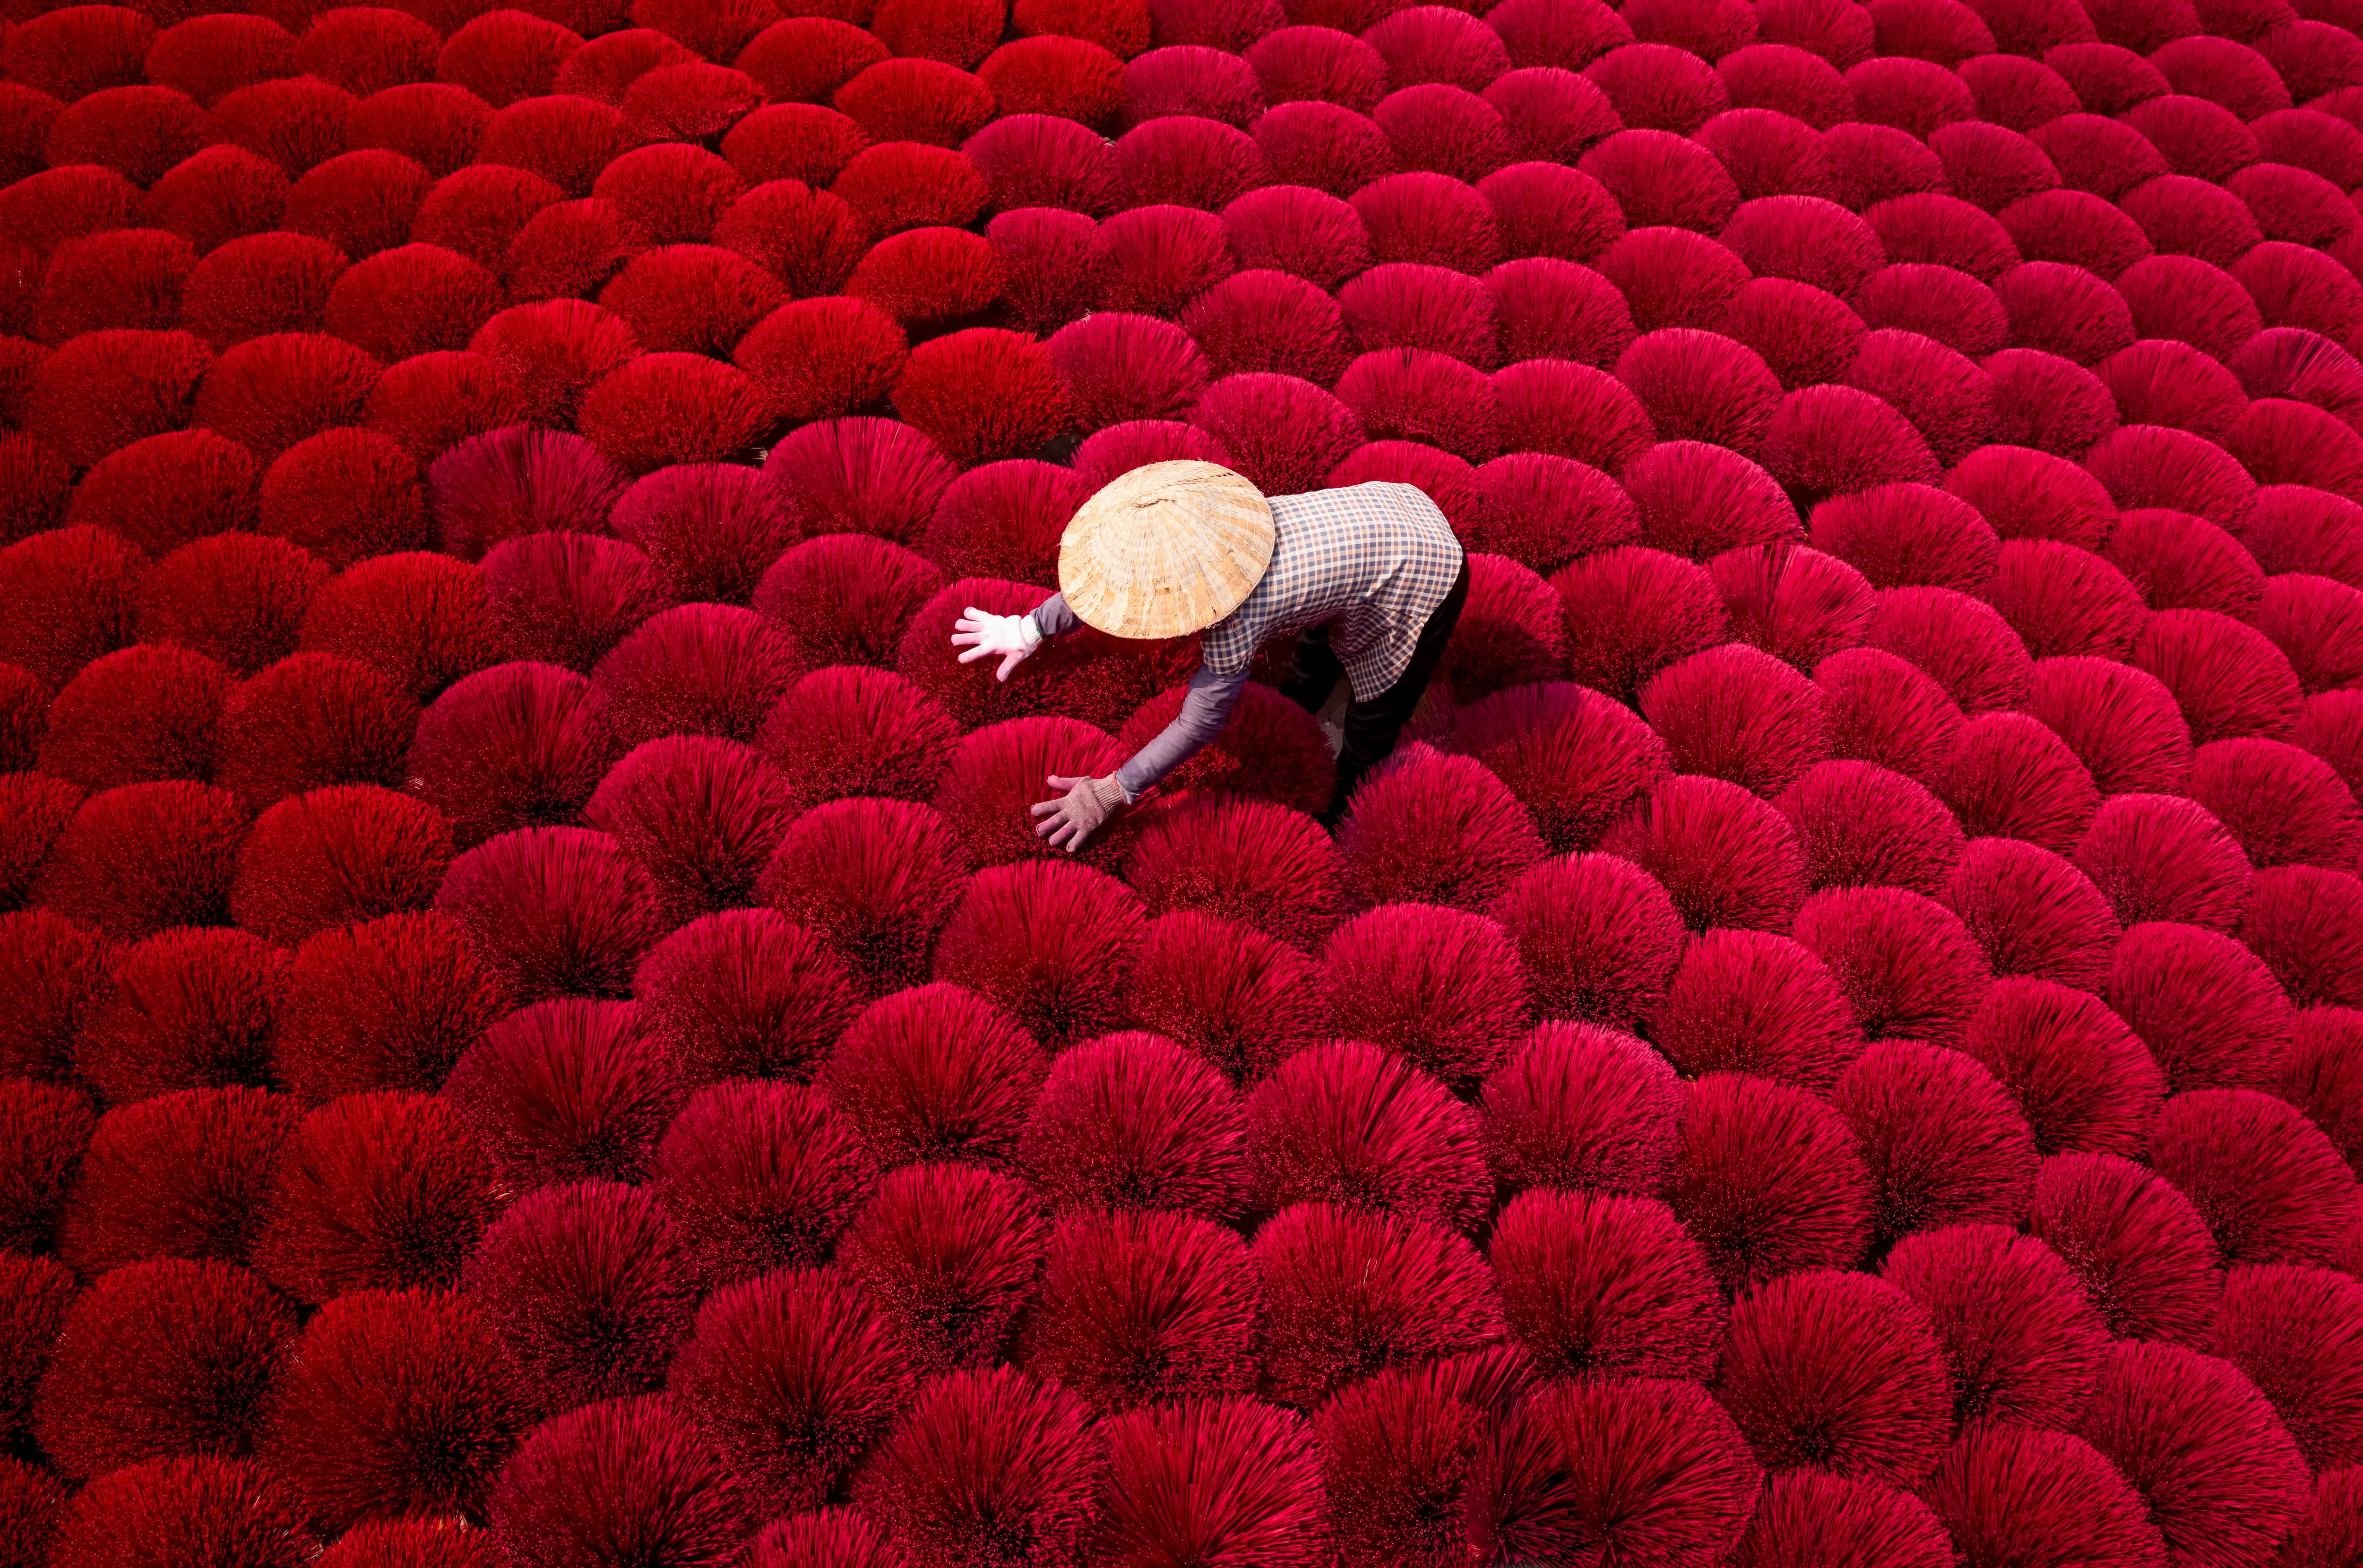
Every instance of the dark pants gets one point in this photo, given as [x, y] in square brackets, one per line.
[1373, 724]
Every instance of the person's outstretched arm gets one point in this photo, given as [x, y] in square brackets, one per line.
[1011, 638]
[1205, 710]
[1085, 804]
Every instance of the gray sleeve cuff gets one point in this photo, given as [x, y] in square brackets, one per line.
[1052, 618]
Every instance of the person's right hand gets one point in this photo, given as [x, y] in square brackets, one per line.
[987, 635]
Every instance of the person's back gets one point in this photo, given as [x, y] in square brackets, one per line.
[1371, 562]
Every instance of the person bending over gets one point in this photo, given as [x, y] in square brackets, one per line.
[1369, 577]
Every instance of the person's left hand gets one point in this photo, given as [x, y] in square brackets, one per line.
[1083, 807]
[984, 635]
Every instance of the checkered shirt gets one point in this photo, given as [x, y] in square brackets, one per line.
[1375, 559]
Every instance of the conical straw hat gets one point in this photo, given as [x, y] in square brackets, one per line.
[1167, 550]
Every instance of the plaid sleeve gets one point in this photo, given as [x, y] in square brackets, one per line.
[1229, 647]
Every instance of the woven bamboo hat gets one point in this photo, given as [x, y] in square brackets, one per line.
[1167, 550]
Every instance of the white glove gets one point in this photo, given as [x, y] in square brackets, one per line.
[1009, 637]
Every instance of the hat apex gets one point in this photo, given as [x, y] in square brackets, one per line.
[1165, 550]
